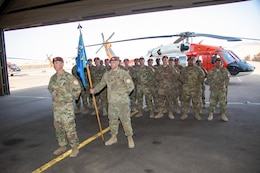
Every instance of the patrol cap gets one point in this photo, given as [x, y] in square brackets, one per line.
[57, 59]
[114, 58]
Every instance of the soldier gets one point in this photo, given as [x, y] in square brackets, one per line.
[96, 74]
[165, 75]
[133, 96]
[178, 68]
[153, 85]
[84, 92]
[119, 85]
[131, 71]
[107, 64]
[143, 79]
[157, 62]
[191, 78]
[174, 86]
[218, 79]
[90, 100]
[64, 88]
[202, 102]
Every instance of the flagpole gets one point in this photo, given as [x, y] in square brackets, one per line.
[94, 99]
[95, 103]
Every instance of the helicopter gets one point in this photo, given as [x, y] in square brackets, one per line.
[182, 47]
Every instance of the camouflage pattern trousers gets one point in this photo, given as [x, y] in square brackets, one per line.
[215, 98]
[119, 111]
[64, 123]
[189, 95]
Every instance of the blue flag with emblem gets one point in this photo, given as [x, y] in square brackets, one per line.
[82, 61]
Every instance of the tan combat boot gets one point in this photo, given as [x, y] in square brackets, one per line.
[224, 117]
[131, 143]
[210, 118]
[160, 114]
[85, 110]
[77, 111]
[177, 110]
[151, 114]
[74, 152]
[171, 116]
[184, 116]
[104, 112]
[60, 150]
[139, 114]
[197, 116]
[111, 141]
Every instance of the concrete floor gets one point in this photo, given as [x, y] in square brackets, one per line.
[162, 146]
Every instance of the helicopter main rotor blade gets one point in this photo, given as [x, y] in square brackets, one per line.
[133, 39]
[110, 36]
[217, 37]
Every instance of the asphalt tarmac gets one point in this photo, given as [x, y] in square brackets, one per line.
[162, 145]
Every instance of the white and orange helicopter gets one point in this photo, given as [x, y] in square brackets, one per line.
[183, 46]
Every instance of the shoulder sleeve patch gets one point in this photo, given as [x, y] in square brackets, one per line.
[128, 81]
[75, 82]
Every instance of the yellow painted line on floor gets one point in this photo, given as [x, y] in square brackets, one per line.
[67, 153]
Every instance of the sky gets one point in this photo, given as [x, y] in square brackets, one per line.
[240, 19]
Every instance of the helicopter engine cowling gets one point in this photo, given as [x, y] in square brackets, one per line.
[169, 49]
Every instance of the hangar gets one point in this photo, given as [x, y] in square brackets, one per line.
[20, 14]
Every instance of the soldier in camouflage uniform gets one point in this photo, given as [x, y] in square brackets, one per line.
[191, 78]
[64, 88]
[165, 75]
[84, 91]
[107, 65]
[143, 79]
[96, 74]
[90, 99]
[133, 96]
[153, 86]
[178, 68]
[174, 86]
[203, 98]
[131, 71]
[218, 79]
[119, 85]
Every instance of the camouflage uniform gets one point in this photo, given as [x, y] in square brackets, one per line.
[165, 75]
[84, 91]
[154, 87]
[119, 85]
[218, 80]
[143, 79]
[176, 102]
[131, 71]
[133, 96]
[96, 74]
[203, 98]
[191, 78]
[64, 89]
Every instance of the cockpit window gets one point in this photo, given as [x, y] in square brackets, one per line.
[229, 57]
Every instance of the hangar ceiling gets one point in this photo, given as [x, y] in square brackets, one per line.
[19, 14]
